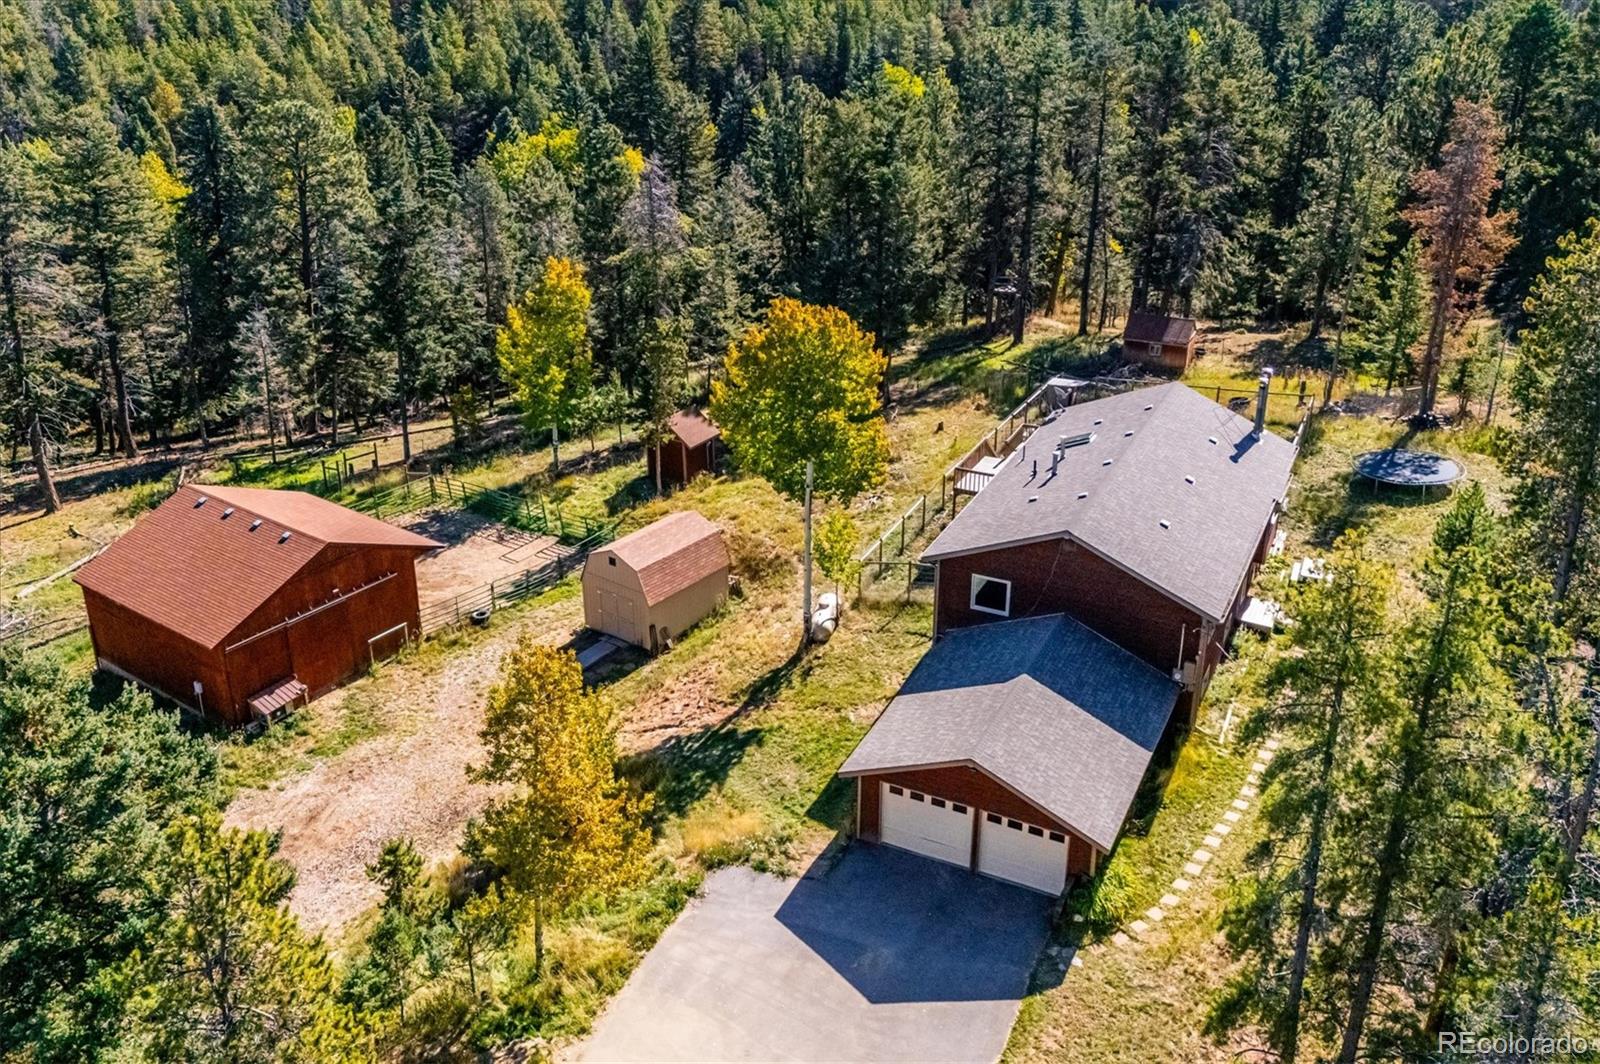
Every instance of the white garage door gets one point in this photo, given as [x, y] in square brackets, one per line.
[925, 824]
[1023, 853]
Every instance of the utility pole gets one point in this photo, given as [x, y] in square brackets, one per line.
[806, 582]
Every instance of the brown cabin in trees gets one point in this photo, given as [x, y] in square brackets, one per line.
[693, 446]
[1082, 601]
[239, 602]
[1158, 340]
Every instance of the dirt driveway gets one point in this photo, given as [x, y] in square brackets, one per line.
[336, 816]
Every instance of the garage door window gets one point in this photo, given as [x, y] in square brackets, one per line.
[896, 790]
[991, 595]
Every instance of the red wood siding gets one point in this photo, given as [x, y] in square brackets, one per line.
[156, 656]
[322, 650]
[962, 783]
[1058, 576]
[679, 463]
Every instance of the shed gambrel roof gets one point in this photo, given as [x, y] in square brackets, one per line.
[1171, 487]
[1054, 711]
[671, 554]
[208, 557]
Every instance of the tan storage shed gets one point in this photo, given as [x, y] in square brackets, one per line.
[651, 586]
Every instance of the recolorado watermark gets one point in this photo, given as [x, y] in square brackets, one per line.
[1514, 1047]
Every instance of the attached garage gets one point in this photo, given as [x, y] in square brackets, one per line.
[928, 824]
[1015, 749]
[1030, 855]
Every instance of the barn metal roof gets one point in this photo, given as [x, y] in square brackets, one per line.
[671, 554]
[1161, 481]
[692, 427]
[1147, 328]
[1054, 711]
[207, 558]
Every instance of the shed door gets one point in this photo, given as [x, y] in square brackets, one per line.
[1022, 853]
[926, 824]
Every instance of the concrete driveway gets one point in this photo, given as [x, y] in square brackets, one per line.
[888, 956]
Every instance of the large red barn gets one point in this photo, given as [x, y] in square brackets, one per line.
[236, 602]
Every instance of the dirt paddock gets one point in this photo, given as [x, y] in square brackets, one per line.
[477, 550]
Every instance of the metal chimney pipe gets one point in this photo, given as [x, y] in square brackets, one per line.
[1261, 400]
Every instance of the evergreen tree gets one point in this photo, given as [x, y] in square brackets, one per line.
[117, 248]
[89, 791]
[1556, 442]
[35, 293]
[1332, 685]
[229, 976]
[309, 221]
[1424, 778]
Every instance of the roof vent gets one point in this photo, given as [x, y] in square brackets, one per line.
[1077, 440]
[201, 501]
[227, 513]
[1083, 495]
[1099, 420]
[1165, 523]
[1149, 406]
[1125, 435]
[285, 537]
[1188, 480]
[1211, 439]
[1033, 498]
[1106, 462]
[255, 524]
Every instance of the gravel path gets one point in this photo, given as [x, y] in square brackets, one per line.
[336, 816]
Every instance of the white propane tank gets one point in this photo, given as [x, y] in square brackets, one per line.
[825, 618]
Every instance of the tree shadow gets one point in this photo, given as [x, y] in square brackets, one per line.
[684, 769]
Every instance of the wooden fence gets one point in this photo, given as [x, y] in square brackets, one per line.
[530, 514]
[482, 601]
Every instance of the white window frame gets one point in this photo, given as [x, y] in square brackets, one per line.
[978, 580]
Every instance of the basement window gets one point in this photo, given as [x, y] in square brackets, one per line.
[991, 595]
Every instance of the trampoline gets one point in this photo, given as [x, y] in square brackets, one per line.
[1400, 468]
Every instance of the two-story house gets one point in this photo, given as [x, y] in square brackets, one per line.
[1083, 599]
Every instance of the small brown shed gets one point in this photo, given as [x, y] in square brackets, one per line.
[237, 602]
[694, 447]
[1159, 340]
[651, 586]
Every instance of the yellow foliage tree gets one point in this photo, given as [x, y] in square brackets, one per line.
[803, 386]
[543, 349]
[571, 827]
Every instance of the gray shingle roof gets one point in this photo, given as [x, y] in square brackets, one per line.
[1059, 714]
[1173, 488]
